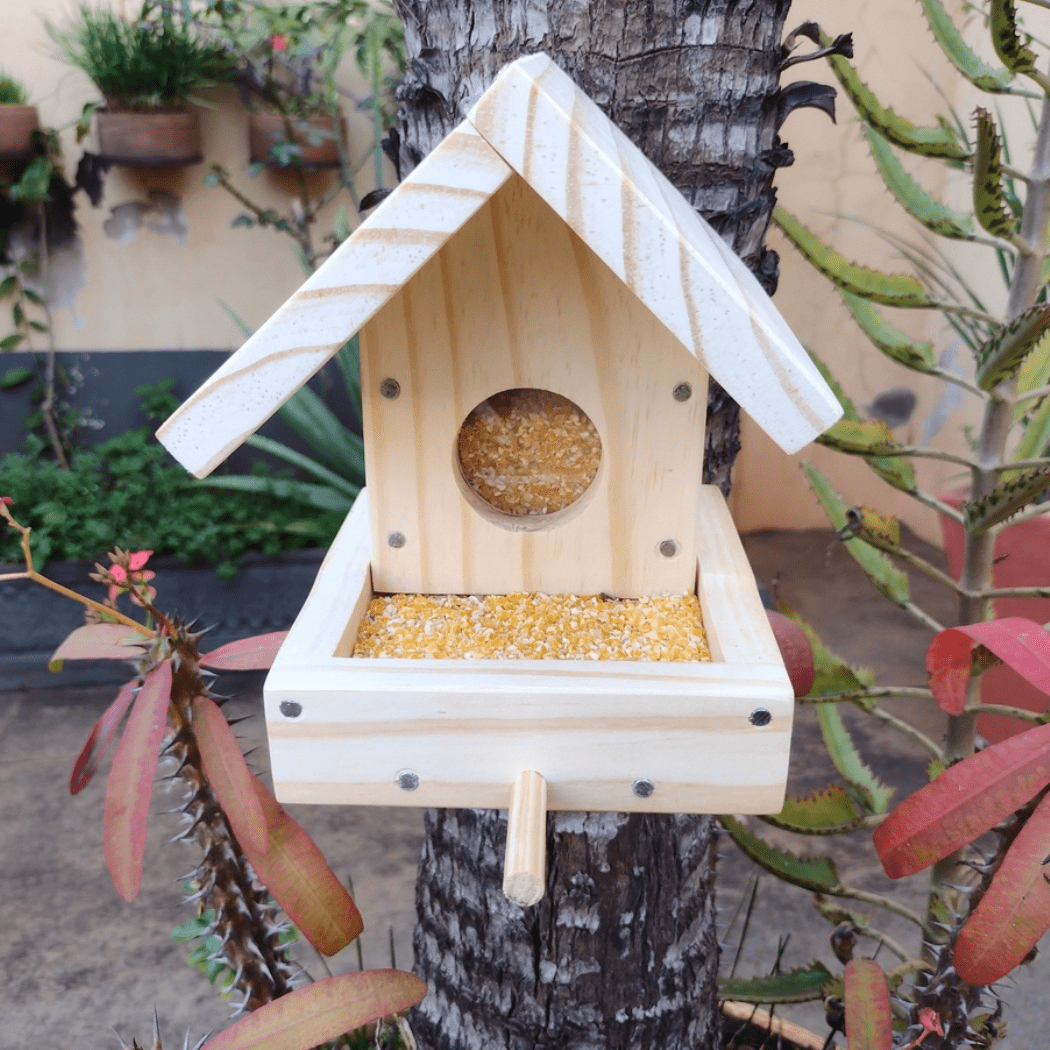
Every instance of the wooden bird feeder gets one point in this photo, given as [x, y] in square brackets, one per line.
[535, 290]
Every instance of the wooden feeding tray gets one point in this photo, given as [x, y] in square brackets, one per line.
[656, 736]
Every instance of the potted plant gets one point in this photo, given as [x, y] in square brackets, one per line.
[287, 55]
[18, 121]
[148, 72]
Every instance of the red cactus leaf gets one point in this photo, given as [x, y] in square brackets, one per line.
[1015, 911]
[869, 1020]
[964, 802]
[324, 1010]
[130, 782]
[229, 775]
[1021, 644]
[103, 733]
[795, 651]
[98, 641]
[295, 872]
[246, 654]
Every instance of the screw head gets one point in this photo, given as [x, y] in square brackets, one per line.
[683, 391]
[668, 548]
[291, 708]
[760, 717]
[407, 780]
[390, 388]
[643, 787]
[396, 539]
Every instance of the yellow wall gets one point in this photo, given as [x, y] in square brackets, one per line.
[150, 289]
[155, 290]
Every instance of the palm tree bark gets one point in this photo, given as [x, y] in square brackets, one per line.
[622, 951]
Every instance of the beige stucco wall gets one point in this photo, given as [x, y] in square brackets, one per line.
[159, 255]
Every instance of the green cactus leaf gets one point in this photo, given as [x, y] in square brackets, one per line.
[827, 812]
[833, 674]
[916, 201]
[1036, 437]
[1012, 51]
[891, 341]
[896, 472]
[989, 194]
[1001, 357]
[889, 580]
[986, 77]
[871, 793]
[893, 470]
[799, 986]
[902, 290]
[1006, 499]
[859, 438]
[941, 141]
[811, 873]
[849, 411]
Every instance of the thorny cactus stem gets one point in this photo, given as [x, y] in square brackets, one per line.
[950, 904]
[246, 919]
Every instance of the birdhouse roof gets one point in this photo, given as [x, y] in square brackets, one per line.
[535, 122]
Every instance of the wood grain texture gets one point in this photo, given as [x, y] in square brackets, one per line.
[468, 728]
[612, 198]
[360, 276]
[517, 300]
[624, 209]
[525, 863]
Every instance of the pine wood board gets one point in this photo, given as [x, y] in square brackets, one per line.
[514, 279]
[631, 216]
[612, 198]
[336, 301]
[468, 728]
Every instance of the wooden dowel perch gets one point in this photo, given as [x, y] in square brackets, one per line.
[525, 864]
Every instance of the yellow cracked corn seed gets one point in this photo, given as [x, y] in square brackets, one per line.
[529, 451]
[532, 627]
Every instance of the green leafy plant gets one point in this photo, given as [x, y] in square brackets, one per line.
[288, 56]
[979, 827]
[129, 492]
[255, 860]
[12, 92]
[157, 61]
[31, 203]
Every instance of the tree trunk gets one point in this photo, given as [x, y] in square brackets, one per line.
[622, 950]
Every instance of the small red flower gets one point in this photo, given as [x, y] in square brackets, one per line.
[278, 42]
[929, 1020]
[7, 501]
[138, 559]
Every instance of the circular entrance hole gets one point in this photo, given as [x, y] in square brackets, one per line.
[529, 455]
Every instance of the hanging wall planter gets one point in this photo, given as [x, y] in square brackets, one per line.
[17, 124]
[150, 140]
[314, 135]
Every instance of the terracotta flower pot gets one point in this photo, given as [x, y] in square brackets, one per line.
[17, 124]
[150, 140]
[314, 135]
[1022, 559]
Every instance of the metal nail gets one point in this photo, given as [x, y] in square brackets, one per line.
[407, 780]
[643, 787]
[668, 548]
[396, 539]
[683, 391]
[760, 717]
[390, 388]
[291, 708]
